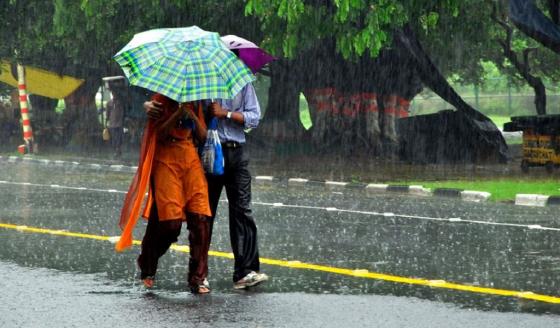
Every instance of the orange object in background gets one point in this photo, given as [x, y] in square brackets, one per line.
[403, 106]
[22, 149]
[369, 102]
[351, 105]
[390, 105]
[322, 100]
[24, 107]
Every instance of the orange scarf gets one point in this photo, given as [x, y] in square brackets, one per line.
[139, 185]
[141, 181]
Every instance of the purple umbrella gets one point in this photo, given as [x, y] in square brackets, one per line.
[253, 56]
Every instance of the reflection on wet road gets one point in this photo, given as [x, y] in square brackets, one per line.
[420, 238]
[51, 298]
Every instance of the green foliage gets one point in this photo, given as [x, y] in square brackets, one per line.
[26, 31]
[543, 63]
[460, 39]
[91, 31]
[4, 90]
[79, 37]
[428, 21]
[94, 29]
[304, 114]
[293, 25]
[357, 26]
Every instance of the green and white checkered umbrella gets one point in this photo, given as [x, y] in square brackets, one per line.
[184, 64]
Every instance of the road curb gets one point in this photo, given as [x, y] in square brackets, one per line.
[68, 164]
[448, 192]
[475, 196]
[536, 200]
[377, 188]
[472, 196]
[264, 180]
[335, 186]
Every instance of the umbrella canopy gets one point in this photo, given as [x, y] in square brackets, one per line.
[184, 64]
[249, 53]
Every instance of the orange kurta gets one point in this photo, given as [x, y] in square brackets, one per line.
[173, 166]
[178, 180]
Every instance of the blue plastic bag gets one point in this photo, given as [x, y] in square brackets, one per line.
[211, 155]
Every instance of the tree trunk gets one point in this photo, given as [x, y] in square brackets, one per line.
[540, 96]
[494, 143]
[525, 72]
[430, 75]
[281, 123]
[528, 17]
[344, 95]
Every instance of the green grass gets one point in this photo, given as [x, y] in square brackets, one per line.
[501, 190]
[499, 120]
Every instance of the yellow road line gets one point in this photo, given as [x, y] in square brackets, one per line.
[314, 267]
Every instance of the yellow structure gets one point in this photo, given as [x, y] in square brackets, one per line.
[41, 82]
[541, 140]
[540, 149]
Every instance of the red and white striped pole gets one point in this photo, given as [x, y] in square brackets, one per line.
[24, 106]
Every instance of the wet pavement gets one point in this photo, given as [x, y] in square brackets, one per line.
[70, 280]
[52, 298]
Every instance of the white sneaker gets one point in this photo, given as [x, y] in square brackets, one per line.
[251, 279]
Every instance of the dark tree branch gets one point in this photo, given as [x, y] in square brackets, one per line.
[554, 10]
[526, 53]
[523, 66]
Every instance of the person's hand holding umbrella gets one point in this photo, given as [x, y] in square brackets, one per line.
[217, 111]
[165, 127]
[154, 109]
[200, 131]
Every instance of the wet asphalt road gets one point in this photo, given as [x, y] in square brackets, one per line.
[60, 281]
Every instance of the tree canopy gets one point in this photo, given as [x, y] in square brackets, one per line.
[357, 26]
[357, 38]
[80, 37]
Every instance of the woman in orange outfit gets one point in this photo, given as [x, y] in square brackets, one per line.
[171, 168]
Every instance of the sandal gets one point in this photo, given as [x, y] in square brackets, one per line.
[149, 281]
[200, 289]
